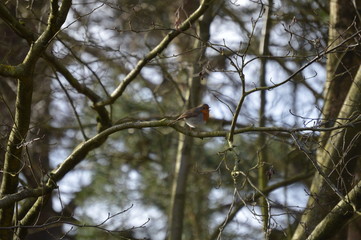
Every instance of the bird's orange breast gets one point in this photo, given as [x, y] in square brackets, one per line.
[205, 114]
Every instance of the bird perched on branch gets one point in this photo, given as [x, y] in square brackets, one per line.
[195, 117]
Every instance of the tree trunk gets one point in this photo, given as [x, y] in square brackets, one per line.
[262, 144]
[338, 152]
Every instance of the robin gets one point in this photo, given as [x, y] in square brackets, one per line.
[195, 117]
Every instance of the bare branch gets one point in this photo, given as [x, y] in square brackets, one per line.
[153, 53]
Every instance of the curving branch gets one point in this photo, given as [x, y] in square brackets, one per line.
[153, 53]
[85, 147]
